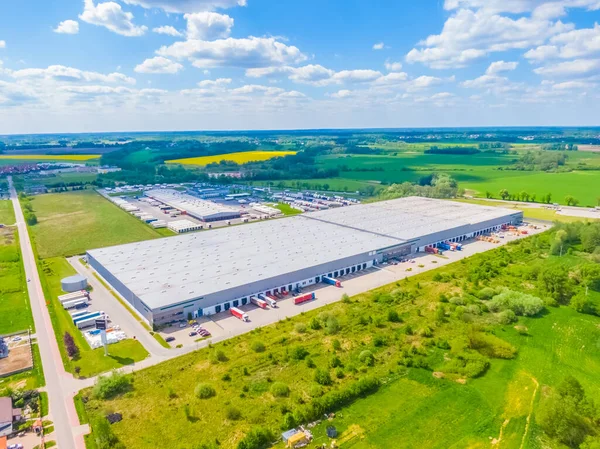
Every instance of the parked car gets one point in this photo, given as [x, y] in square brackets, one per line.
[204, 333]
[17, 339]
[182, 325]
[169, 339]
[193, 334]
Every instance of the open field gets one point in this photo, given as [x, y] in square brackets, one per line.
[50, 157]
[29, 379]
[240, 158]
[286, 209]
[90, 361]
[62, 179]
[270, 377]
[15, 311]
[7, 214]
[72, 222]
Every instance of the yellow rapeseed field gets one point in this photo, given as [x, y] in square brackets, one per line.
[51, 157]
[240, 158]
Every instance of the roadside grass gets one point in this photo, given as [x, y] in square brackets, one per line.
[44, 404]
[91, 361]
[7, 213]
[161, 340]
[240, 158]
[412, 408]
[15, 310]
[70, 223]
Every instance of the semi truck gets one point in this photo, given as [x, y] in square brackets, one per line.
[89, 320]
[270, 301]
[239, 314]
[78, 314]
[87, 315]
[304, 298]
[258, 302]
[331, 281]
[75, 304]
[75, 295]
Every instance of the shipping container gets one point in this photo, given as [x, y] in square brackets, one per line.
[75, 295]
[239, 314]
[304, 298]
[75, 304]
[269, 299]
[86, 316]
[331, 281]
[258, 302]
[88, 322]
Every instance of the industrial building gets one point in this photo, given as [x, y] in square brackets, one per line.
[204, 273]
[194, 207]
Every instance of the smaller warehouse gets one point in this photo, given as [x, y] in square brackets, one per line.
[194, 207]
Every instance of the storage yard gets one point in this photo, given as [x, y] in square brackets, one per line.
[190, 276]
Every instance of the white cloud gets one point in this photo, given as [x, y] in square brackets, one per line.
[423, 82]
[344, 93]
[67, 27]
[219, 82]
[379, 46]
[356, 76]
[60, 73]
[393, 66]
[2, 44]
[158, 64]
[542, 52]
[187, 6]
[501, 66]
[111, 16]
[572, 85]
[576, 68]
[470, 35]
[391, 79]
[208, 26]
[251, 52]
[572, 44]
[168, 30]
[520, 6]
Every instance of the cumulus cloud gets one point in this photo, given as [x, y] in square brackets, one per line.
[111, 16]
[344, 93]
[470, 35]
[219, 82]
[520, 6]
[424, 82]
[501, 66]
[379, 46]
[67, 27]
[356, 76]
[576, 68]
[393, 66]
[2, 44]
[251, 89]
[251, 52]
[187, 6]
[62, 73]
[572, 44]
[208, 26]
[168, 30]
[158, 64]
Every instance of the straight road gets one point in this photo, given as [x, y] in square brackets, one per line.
[62, 408]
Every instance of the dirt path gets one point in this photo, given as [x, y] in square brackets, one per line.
[537, 386]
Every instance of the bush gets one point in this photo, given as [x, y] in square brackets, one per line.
[339, 373]
[507, 317]
[491, 346]
[257, 438]
[332, 326]
[226, 377]
[300, 328]
[288, 422]
[110, 386]
[379, 340]
[486, 293]
[204, 391]
[104, 436]
[310, 363]
[219, 356]
[519, 303]
[366, 357]
[280, 390]
[393, 317]
[315, 324]
[70, 345]
[336, 345]
[232, 413]
[299, 353]
[467, 364]
[258, 346]
[322, 377]
[335, 362]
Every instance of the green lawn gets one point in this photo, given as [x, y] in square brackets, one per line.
[286, 209]
[7, 213]
[15, 310]
[72, 222]
[413, 408]
[91, 362]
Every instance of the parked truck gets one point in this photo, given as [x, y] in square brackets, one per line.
[239, 314]
[269, 300]
[304, 298]
[86, 316]
[89, 320]
[78, 314]
[75, 304]
[258, 302]
[75, 295]
[331, 281]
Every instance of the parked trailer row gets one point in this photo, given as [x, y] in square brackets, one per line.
[269, 300]
[86, 316]
[75, 295]
[258, 302]
[76, 304]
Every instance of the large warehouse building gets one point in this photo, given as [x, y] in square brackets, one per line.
[205, 273]
[194, 207]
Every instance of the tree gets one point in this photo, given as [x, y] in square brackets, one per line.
[559, 240]
[322, 377]
[108, 387]
[104, 436]
[571, 201]
[524, 196]
[504, 194]
[555, 282]
[533, 197]
[488, 194]
[590, 238]
[70, 345]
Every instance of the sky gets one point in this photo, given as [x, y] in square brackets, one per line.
[152, 65]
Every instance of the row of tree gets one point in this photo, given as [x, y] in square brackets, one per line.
[527, 197]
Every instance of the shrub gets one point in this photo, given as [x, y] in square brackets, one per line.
[299, 353]
[332, 326]
[280, 390]
[258, 346]
[315, 324]
[112, 385]
[346, 299]
[310, 363]
[226, 377]
[507, 317]
[366, 357]
[336, 345]
[257, 438]
[467, 364]
[473, 309]
[335, 362]
[379, 340]
[70, 345]
[519, 303]
[300, 328]
[104, 436]
[232, 413]
[486, 293]
[322, 377]
[219, 356]
[491, 346]
[288, 421]
[393, 317]
[339, 373]
[204, 391]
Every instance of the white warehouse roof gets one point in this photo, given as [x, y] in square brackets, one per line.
[177, 269]
[194, 206]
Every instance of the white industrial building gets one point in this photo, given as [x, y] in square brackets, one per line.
[205, 273]
[194, 207]
[182, 226]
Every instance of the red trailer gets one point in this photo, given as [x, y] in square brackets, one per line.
[239, 314]
[304, 298]
[258, 302]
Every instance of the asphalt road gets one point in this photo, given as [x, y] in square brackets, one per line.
[62, 408]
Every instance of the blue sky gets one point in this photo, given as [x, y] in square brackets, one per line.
[127, 65]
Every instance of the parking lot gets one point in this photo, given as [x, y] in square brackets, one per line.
[224, 325]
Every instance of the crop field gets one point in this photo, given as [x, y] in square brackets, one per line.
[239, 158]
[7, 214]
[272, 377]
[90, 361]
[72, 222]
[49, 157]
[15, 311]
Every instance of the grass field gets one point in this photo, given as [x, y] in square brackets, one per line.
[240, 158]
[15, 311]
[49, 157]
[62, 179]
[7, 213]
[413, 408]
[91, 361]
[286, 209]
[27, 380]
[70, 223]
